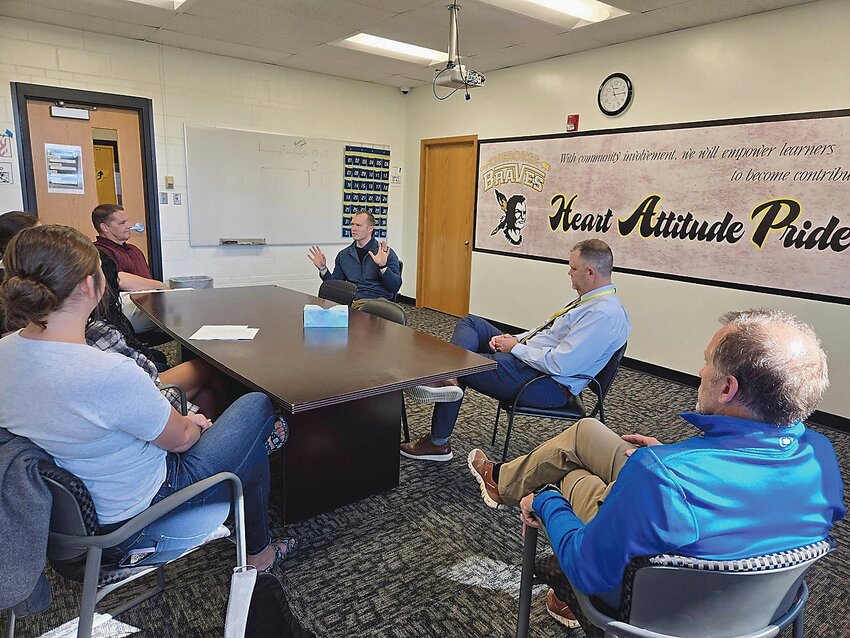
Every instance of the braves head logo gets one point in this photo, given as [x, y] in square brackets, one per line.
[513, 219]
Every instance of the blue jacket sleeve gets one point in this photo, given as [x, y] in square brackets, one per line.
[392, 277]
[336, 273]
[644, 514]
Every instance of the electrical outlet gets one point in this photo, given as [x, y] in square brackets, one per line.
[178, 199]
[163, 198]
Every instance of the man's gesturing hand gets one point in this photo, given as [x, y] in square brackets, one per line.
[315, 254]
[383, 253]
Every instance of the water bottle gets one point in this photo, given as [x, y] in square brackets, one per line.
[139, 227]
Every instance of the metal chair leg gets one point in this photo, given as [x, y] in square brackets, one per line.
[89, 600]
[404, 420]
[508, 436]
[10, 623]
[496, 424]
[529, 551]
[797, 630]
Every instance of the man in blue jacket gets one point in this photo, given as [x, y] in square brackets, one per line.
[372, 266]
[755, 482]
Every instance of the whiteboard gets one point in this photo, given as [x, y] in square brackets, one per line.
[246, 185]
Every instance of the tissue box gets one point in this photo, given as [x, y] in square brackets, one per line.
[318, 317]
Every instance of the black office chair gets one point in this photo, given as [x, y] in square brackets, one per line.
[672, 596]
[75, 543]
[390, 311]
[338, 291]
[573, 411]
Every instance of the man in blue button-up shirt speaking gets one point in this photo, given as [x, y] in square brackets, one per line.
[579, 338]
[755, 482]
[371, 265]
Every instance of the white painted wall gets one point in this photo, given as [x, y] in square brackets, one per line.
[202, 89]
[785, 61]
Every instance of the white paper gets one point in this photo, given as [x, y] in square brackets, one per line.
[225, 333]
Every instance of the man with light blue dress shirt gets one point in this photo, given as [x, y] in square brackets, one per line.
[578, 339]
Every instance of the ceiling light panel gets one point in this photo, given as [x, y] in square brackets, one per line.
[565, 13]
[393, 49]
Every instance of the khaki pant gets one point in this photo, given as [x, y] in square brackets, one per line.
[583, 461]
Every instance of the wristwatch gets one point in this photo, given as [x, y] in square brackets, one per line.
[546, 488]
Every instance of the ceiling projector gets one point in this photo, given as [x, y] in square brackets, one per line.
[458, 77]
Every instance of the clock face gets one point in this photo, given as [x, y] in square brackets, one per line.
[615, 94]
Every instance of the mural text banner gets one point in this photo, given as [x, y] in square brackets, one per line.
[760, 204]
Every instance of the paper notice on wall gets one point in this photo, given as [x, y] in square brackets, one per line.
[64, 169]
[6, 176]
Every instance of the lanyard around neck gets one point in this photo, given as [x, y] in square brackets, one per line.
[575, 303]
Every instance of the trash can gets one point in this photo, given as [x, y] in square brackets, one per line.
[191, 281]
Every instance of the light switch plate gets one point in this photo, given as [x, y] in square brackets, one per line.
[178, 199]
[163, 198]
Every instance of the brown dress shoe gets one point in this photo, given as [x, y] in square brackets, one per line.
[560, 611]
[423, 450]
[482, 470]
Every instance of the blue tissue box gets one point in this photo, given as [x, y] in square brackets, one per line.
[318, 317]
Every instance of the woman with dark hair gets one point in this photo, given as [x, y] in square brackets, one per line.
[102, 419]
[12, 223]
[109, 330]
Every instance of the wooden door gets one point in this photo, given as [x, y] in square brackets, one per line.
[74, 208]
[446, 207]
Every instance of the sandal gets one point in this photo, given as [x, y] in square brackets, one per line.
[279, 435]
[283, 549]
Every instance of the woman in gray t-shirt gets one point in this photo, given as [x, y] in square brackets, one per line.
[101, 418]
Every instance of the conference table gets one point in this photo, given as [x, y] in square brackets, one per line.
[340, 388]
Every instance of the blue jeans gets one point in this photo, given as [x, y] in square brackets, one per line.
[235, 443]
[473, 333]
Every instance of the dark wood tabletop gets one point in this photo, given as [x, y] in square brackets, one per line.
[306, 368]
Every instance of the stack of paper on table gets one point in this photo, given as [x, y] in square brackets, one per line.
[225, 333]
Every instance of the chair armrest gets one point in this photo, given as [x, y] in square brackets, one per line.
[151, 514]
[184, 410]
[527, 385]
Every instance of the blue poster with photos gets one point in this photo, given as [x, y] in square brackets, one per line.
[366, 186]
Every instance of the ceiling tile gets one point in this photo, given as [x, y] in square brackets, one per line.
[37, 13]
[642, 6]
[769, 5]
[503, 58]
[563, 44]
[626, 28]
[251, 17]
[699, 12]
[217, 47]
[396, 6]
[499, 24]
[436, 36]
[336, 12]
[240, 33]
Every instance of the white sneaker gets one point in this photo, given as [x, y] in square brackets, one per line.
[429, 394]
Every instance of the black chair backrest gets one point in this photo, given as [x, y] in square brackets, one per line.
[72, 512]
[386, 309]
[605, 377]
[338, 291]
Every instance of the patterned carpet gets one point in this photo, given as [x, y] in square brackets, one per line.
[428, 559]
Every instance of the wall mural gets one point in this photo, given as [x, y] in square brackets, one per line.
[758, 204]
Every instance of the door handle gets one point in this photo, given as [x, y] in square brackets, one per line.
[466, 243]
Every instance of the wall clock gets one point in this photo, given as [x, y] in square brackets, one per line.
[615, 94]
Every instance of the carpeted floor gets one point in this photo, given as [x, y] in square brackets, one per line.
[428, 559]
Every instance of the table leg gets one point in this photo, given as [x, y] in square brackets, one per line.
[337, 455]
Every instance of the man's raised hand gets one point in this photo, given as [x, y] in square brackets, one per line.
[383, 253]
[315, 254]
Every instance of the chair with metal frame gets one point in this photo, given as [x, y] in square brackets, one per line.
[672, 596]
[390, 311]
[338, 291]
[75, 542]
[573, 411]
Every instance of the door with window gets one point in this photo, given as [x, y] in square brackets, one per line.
[80, 163]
